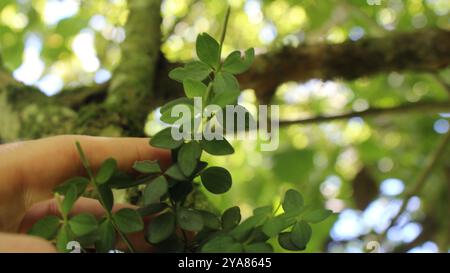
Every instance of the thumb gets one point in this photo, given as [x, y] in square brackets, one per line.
[14, 243]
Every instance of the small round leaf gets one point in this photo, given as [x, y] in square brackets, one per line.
[284, 239]
[83, 224]
[46, 227]
[128, 220]
[147, 166]
[189, 219]
[301, 234]
[194, 88]
[188, 157]
[216, 180]
[69, 199]
[231, 218]
[161, 228]
[155, 190]
[106, 171]
[217, 146]
[208, 49]
[293, 201]
[107, 238]
[175, 172]
[163, 139]
[316, 216]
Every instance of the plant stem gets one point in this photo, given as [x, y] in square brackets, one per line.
[109, 215]
[59, 206]
[222, 36]
[175, 207]
[276, 210]
[222, 39]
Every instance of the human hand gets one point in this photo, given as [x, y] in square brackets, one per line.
[30, 170]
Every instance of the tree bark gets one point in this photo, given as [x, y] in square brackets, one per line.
[131, 87]
[424, 50]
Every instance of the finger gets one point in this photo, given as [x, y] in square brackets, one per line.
[14, 243]
[31, 169]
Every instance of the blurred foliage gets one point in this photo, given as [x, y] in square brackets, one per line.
[320, 160]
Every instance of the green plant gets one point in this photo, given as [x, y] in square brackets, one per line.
[179, 224]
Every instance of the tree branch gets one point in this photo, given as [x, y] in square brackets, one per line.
[132, 94]
[426, 50]
[401, 109]
[423, 50]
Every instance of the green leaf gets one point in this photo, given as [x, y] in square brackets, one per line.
[69, 199]
[128, 220]
[266, 210]
[257, 236]
[163, 139]
[241, 231]
[106, 171]
[316, 216]
[222, 244]
[194, 88]
[225, 82]
[180, 117]
[107, 196]
[46, 227]
[64, 236]
[155, 190]
[217, 146]
[161, 228]
[189, 219]
[188, 157]
[210, 220]
[152, 209]
[83, 224]
[293, 201]
[216, 180]
[231, 218]
[79, 182]
[175, 172]
[276, 225]
[235, 64]
[284, 239]
[258, 248]
[147, 166]
[226, 98]
[107, 240]
[208, 49]
[301, 234]
[194, 70]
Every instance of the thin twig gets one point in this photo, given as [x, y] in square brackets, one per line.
[418, 106]
[109, 215]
